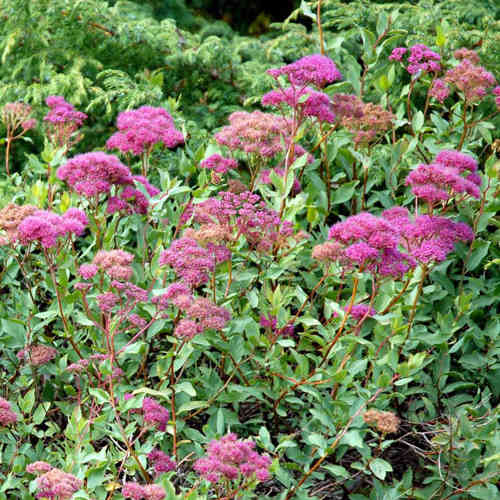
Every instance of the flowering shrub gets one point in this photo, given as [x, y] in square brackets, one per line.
[297, 304]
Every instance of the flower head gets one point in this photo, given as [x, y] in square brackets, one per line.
[232, 458]
[315, 69]
[63, 120]
[7, 416]
[46, 227]
[141, 129]
[421, 59]
[155, 414]
[473, 81]
[57, 484]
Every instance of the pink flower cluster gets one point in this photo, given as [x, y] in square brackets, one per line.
[359, 311]
[17, 115]
[421, 58]
[7, 416]
[439, 90]
[258, 133]
[54, 483]
[135, 491]
[244, 213]
[370, 243]
[141, 129]
[155, 413]
[115, 263]
[190, 261]
[473, 81]
[92, 174]
[95, 174]
[469, 54]
[219, 164]
[63, 120]
[230, 458]
[443, 179]
[315, 69]
[45, 227]
[496, 93]
[161, 462]
[309, 103]
[427, 238]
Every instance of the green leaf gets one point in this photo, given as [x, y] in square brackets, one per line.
[417, 121]
[344, 193]
[380, 468]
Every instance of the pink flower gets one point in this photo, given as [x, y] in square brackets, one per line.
[314, 69]
[92, 174]
[427, 238]
[359, 311]
[232, 458]
[191, 262]
[45, 227]
[115, 263]
[133, 490]
[208, 315]
[88, 271]
[161, 461]
[308, 102]
[439, 90]
[154, 413]
[63, 120]
[397, 54]
[471, 80]
[140, 129]
[219, 164]
[39, 467]
[57, 484]
[7, 416]
[371, 244]
[262, 134]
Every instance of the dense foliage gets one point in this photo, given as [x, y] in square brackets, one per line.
[238, 267]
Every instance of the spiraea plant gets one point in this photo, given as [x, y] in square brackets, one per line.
[292, 299]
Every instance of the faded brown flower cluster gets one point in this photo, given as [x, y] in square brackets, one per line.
[385, 421]
[10, 217]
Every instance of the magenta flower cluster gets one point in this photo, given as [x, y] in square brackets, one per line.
[136, 491]
[306, 101]
[244, 213]
[54, 483]
[190, 261]
[46, 227]
[141, 129]
[231, 458]
[63, 112]
[444, 179]
[421, 59]
[359, 311]
[370, 244]
[96, 174]
[427, 238]
[315, 69]
[154, 413]
[7, 416]
[160, 461]
[219, 164]
[63, 120]
[262, 134]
